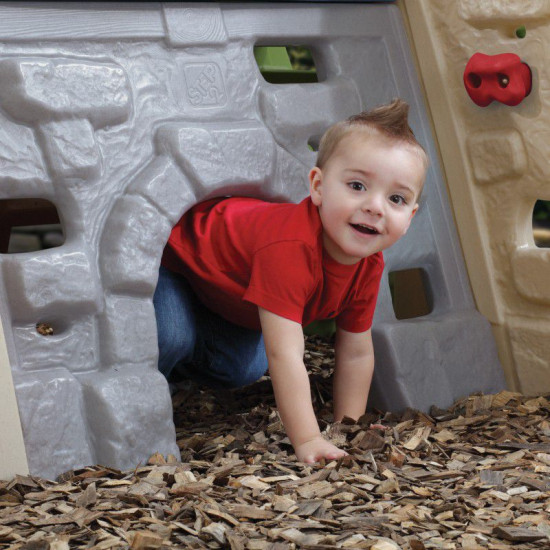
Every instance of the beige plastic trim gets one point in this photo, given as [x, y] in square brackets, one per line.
[466, 209]
[13, 458]
[451, 147]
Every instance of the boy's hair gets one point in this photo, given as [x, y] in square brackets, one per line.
[389, 121]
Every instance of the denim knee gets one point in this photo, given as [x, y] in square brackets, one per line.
[175, 321]
[237, 365]
[244, 375]
[176, 346]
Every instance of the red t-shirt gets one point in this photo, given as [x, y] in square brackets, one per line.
[241, 253]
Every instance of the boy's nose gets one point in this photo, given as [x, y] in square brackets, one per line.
[373, 205]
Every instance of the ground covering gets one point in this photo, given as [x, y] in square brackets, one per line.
[474, 476]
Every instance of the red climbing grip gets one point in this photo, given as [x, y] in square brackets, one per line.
[503, 77]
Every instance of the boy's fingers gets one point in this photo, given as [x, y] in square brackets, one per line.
[333, 455]
[319, 451]
[379, 427]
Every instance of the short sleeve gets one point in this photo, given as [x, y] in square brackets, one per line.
[282, 279]
[358, 315]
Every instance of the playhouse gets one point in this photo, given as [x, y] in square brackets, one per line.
[116, 117]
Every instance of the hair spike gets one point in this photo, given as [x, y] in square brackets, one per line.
[389, 120]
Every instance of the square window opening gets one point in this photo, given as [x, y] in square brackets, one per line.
[411, 293]
[286, 64]
[541, 224]
[29, 225]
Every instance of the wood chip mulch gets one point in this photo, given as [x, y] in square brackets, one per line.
[472, 477]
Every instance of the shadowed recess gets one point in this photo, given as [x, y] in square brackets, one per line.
[541, 224]
[411, 293]
[29, 225]
[286, 64]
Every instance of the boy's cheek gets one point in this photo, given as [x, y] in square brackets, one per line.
[407, 225]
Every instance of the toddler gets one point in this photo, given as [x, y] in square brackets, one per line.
[240, 276]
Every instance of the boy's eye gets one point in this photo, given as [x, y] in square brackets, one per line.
[356, 185]
[398, 199]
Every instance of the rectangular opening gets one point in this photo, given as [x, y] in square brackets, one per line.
[313, 143]
[411, 293]
[29, 225]
[286, 64]
[541, 224]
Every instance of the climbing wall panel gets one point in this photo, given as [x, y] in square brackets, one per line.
[496, 161]
[123, 116]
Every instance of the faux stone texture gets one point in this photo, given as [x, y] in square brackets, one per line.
[194, 26]
[73, 345]
[123, 127]
[514, 11]
[296, 112]
[289, 168]
[438, 341]
[530, 273]
[115, 408]
[71, 149]
[529, 343]
[20, 158]
[52, 414]
[508, 149]
[128, 331]
[131, 260]
[215, 156]
[42, 89]
[164, 185]
[57, 282]
[497, 155]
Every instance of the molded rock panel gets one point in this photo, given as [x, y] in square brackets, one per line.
[508, 150]
[529, 344]
[438, 343]
[59, 282]
[114, 404]
[128, 331]
[494, 11]
[532, 282]
[164, 185]
[40, 90]
[72, 346]
[130, 261]
[217, 156]
[497, 155]
[124, 115]
[291, 127]
[71, 149]
[55, 428]
[194, 26]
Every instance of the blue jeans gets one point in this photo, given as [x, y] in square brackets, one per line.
[196, 343]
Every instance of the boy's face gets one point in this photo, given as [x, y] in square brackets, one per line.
[366, 194]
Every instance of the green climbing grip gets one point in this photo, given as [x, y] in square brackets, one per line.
[521, 31]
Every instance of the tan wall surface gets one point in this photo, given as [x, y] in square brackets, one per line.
[496, 161]
[13, 459]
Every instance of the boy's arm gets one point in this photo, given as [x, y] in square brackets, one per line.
[284, 345]
[353, 371]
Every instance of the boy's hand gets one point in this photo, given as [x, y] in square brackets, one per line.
[315, 449]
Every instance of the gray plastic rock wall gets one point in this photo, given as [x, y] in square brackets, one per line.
[123, 116]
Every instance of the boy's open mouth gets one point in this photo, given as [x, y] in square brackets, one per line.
[367, 229]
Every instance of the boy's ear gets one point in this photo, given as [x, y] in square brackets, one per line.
[315, 176]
